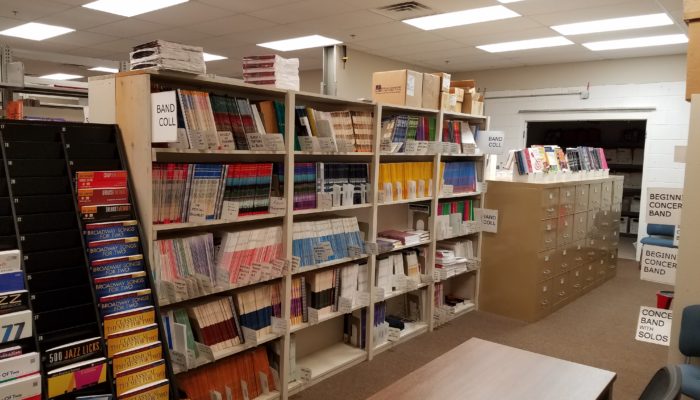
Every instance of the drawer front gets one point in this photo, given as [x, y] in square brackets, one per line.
[567, 200]
[589, 274]
[576, 280]
[617, 191]
[563, 260]
[582, 198]
[601, 268]
[549, 234]
[580, 226]
[578, 253]
[561, 288]
[565, 230]
[546, 262]
[592, 250]
[594, 196]
[606, 194]
[611, 268]
[550, 203]
[544, 294]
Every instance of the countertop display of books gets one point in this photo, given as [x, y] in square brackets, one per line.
[280, 233]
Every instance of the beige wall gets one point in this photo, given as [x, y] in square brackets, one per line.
[310, 81]
[608, 72]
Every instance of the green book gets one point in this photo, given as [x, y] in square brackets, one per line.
[432, 126]
[412, 127]
[182, 318]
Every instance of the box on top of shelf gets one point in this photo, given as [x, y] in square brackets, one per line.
[431, 91]
[691, 10]
[445, 80]
[465, 84]
[401, 87]
[473, 103]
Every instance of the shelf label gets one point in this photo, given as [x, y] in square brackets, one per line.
[279, 325]
[305, 374]
[313, 316]
[325, 200]
[255, 141]
[179, 360]
[435, 147]
[230, 210]
[400, 282]
[354, 251]
[385, 145]
[323, 251]
[296, 263]
[205, 351]
[425, 278]
[309, 144]
[482, 186]
[488, 219]
[394, 334]
[164, 117]
[250, 336]
[345, 145]
[226, 141]
[345, 305]
[273, 141]
[411, 284]
[436, 275]
[362, 299]
[327, 144]
[664, 206]
[422, 147]
[411, 147]
[378, 294]
[659, 264]
[278, 205]
[454, 148]
[445, 147]
[371, 248]
[448, 190]
[654, 325]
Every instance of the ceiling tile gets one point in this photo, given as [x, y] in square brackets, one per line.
[374, 32]
[632, 33]
[29, 10]
[185, 14]
[301, 11]
[628, 9]
[90, 52]
[80, 18]
[421, 48]
[507, 25]
[247, 6]
[178, 35]
[230, 24]
[81, 39]
[388, 42]
[443, 6]
[353, 20]
[128, 27]
[525, 34]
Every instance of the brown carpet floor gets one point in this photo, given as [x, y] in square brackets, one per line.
[596, 329]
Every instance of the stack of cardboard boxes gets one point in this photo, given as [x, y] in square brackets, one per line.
[434, 91]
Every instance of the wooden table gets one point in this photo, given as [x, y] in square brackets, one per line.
[478, 369]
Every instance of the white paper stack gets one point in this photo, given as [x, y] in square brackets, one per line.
[272, 70]
[163, 55]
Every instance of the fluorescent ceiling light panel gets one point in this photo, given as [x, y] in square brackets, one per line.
[637, 42]
[508, 1]
[213, 57]
[614, 24]
[464, 17]
[60, 77]
[304, 42]
[105, 69]
[526, 44]
[130, 8]
[36, 31]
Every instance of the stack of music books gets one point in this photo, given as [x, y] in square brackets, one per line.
[122, 288]
[460, 175]
[160, 54]
[347, 183]
[203, 192]
[348, 131]
[271, 69]
[460, 133]
[399, 129]
[256, 307]
[299, 312]
[244, 376]
[399, 181]
[324, 240]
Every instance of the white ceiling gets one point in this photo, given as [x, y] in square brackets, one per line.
[233, 27]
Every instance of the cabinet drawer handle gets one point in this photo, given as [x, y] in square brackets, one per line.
[579, 258]
[589, 279]
[591, 253]
[564, 265]
[548, 241]
[545, 302]
[611, 266]
[565, 236]
[578, 285]
[562, 293]
[547, 272]
[551, 210]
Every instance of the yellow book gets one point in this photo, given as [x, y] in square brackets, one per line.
[312, 120]
[136, 357]
[76, 376]
[130, 319]
[128, 339]
[140, 376]
[153, 391]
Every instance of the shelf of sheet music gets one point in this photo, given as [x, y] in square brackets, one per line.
[404, 201]
[216, 223]
[312, 211]
[169, 154]
[207, 355]
[172, 294]
[405, 285]
[325, 363]
[443, 274]
[427, 148]
[466, 228]
[331, 263]
[552, 177]
[335, 154]
[316, 317]
[404, 247]
[445, 313]
[393, 338]
[459, 195]
[458, 115]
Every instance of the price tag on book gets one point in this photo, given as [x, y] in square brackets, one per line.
[394, 334]
[305, 374]
[244, 390]
[229, 210]
[278, 267]
[482, 186]
[313, 316]
[322, 251]
[448, 190]
[411, 147]
[279, 325]
[345, 305]
[255, 141]
[411, 284]
[345, 145]
[422, 147]
[362, 299]
[273, 141]
[327, 145]
[371, 248]
[179, 360]
[205, 351]
[378, 294]
[386, 145]
[325, 200]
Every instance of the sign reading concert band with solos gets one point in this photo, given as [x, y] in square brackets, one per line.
[654, 325]
[658, 264]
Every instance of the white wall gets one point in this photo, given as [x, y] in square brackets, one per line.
[310, 80]
[667, 126]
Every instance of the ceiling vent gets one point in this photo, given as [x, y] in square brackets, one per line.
[405, 10]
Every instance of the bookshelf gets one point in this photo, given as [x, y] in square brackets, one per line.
[311, 351]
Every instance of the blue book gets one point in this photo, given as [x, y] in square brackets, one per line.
[117, 265]
[115, 284]
[400, 131]
[12, 281]
[124, 301]
[111, 230]
[102, 249]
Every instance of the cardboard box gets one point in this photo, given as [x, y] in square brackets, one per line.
[431, 91]
[464, 84]
[691, 10]
[473, 104]
[634, 225]
[445, 101]
[624, 224]
[402, 87]
[458, 107]
[692, 82]
[445, 80]
[459, 92]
